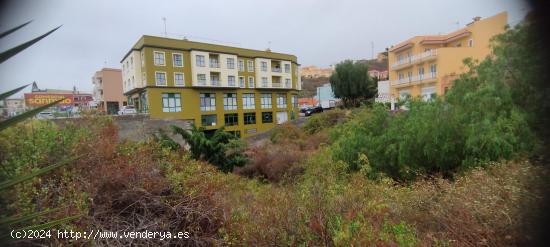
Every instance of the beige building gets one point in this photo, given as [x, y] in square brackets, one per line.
[107, 94]
[14, 106]
[426, 66]
[315, 72]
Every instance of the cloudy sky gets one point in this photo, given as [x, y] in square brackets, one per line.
[97, 33]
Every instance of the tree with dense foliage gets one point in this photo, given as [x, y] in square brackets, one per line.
[351, 82]
[221, 149]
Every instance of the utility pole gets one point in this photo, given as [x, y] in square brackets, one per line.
[165, 33]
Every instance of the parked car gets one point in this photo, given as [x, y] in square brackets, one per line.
[313, 109]
[45, 115]
[304, 108]
[127, 110]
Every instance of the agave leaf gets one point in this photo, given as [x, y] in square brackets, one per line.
[19, 219]
[11, 182]
[12, 92]
[28, 114]
[14, 29]
[13, 51]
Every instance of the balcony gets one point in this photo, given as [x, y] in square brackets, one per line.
[277, 70]
[414, 79]
[214, 63]
[421, 57]
[277, 85]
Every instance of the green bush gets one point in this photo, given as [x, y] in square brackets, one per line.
[323, 120]
[477, 123]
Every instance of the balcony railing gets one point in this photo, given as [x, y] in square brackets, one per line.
[277, 84]
[215, 82]
[214, 64]
[278, 70]
[416, 78]
[415, 58]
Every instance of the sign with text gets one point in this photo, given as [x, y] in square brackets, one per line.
[34, 99]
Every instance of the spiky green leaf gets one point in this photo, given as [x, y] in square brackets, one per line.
[12, 92]
[13, 51]
[14, 29]
[20, 219]
[22, 178]
[14, 120]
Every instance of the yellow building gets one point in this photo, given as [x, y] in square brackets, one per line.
[247, 91]
[427, 65]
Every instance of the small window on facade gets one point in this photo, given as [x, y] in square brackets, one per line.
[241, 81]
[177, 60]
[160, 78]
[208, 120]
[178, 79]
[250, 66]
[287, 68]
[230, 101]
[294, 101]
[250, 118]
[288, 83]
[281, 101]
[231, 119]
[208, 101]
[171, 102]
[471, 43]
[231, 80]
[200, 60]
[159, 58]
[264, 81]
[241, 65]
[267, 117]
[251, 82]
[201, 79]
[265, 99]
[248, 101]
[264, 66]
[230, 63]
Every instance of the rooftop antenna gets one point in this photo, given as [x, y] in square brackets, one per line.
[372, 49]
[165, 33]
[457, 24]
[268, 46]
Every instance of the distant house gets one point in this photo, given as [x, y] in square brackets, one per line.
[315, 72]
[379, 74]
[325, 96]
[307, 101]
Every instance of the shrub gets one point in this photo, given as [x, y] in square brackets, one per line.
[323, 120]
[286, 132]
[476, 124]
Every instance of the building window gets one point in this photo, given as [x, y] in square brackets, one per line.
[201, 79]
[160, 78]
[400, 76]
[428, 93]
[241, 81]
[265, 100]
[208, 101]
[236, 133]
[287, 68]
[471, 43]
[251, 82]
[264, 81]
[208, 120]
[248, 101]
[404, 94]
[177, 59]
[410, 75]
[281, 101]
[433, 71]
[214, 62]
[230, 101]
[171, 102]
[215, 79]
[267, 117]
[294, 100]
[230, 63]
[231, 80]
[250, 118]
[178, 79]
[241, 65]
[200, 60]
[264, 66]
[287, 83]
[159, 58]
[231, 119]
[421, 73]
[250, 66]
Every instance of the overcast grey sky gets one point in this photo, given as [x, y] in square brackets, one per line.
[97, 33]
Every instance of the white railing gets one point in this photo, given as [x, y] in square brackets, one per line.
[416, 78]
[414, 58]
